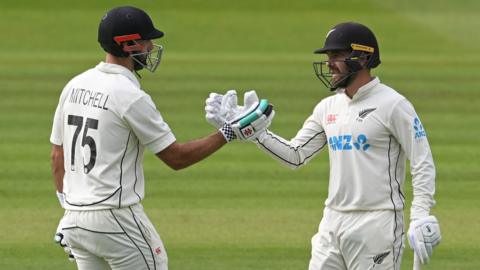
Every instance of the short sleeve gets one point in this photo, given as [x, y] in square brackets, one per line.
[56, 137]
[148, 125]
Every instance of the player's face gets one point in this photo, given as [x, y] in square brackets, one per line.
[147, 45]
[148, 56]
[336, 65]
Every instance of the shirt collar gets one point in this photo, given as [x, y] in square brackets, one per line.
[362, 91]
[118, 69]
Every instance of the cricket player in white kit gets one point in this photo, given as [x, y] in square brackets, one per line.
[370, 130]
[102, 124]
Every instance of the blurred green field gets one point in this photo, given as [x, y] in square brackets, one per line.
[239, 209]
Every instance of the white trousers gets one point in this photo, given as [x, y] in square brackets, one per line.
[114, 239]
[358, 240]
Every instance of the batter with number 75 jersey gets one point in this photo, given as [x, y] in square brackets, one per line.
[102, 125]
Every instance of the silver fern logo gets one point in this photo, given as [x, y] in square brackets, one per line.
[363, 113]
[378, 259]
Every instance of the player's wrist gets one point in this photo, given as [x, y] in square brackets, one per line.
[228, 132]
[61, 198]
[417, 213]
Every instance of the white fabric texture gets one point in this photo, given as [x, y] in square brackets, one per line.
[360, 240]
[104, 121]
[117, 239]
[369, 138]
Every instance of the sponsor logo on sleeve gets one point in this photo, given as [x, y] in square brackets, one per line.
[418, 129]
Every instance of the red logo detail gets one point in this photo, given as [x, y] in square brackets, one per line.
[247, 131]
[331, 118]
[158, 250]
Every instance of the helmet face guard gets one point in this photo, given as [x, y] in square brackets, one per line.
[148, 60]
[353, 63]
[325, 75]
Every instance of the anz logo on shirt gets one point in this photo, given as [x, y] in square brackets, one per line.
[418, 127]
[348, 142]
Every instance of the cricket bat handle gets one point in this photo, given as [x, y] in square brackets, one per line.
[416, 262]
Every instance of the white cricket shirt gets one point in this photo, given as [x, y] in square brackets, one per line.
[104, 121]
[369, 138]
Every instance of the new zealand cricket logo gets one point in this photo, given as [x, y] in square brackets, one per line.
[363, 114]
[378, 259]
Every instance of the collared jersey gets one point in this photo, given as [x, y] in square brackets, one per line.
[369, 138]
[104, 121]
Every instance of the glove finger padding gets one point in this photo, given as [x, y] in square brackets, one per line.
[219, 108]
[250, 98]
[250, 102]
[212, 110]
[253, 130]
[229, 105]
[423, 235]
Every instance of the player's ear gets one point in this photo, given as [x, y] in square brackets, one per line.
[363, 60]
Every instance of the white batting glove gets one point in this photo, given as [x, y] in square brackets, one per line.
[423, 236]
[61, 198]
[218, 108]
[256, 128]
[59, 238]
[243, 122]
[250, 120]
[252, 131]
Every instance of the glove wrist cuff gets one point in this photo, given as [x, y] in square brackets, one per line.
[228, 132]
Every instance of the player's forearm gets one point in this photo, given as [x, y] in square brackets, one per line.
[196, 150]
[58, 170]
[423, 182]
[291, 154]
[182, 155]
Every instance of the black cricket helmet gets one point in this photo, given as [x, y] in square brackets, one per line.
[121, 28]
[356, 38]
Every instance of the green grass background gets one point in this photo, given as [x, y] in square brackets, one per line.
[239, 209]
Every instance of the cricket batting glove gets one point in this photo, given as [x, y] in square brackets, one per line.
[61, 198]
[219, 108]
[250, 120]
[423, 236]
[250, 126]
[59, 239]
[242, 122]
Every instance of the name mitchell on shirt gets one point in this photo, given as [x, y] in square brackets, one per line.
[89, 98]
